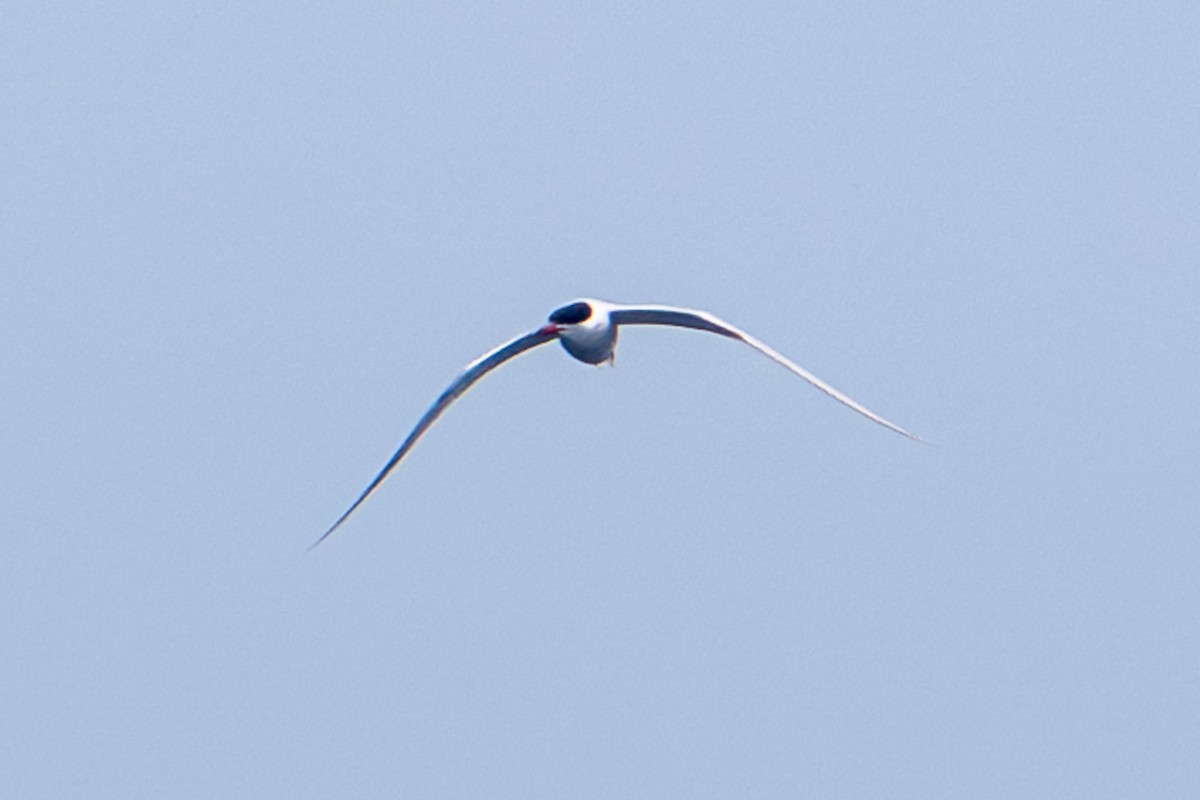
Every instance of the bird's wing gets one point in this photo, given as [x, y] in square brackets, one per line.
[471, 373]
[703, 321]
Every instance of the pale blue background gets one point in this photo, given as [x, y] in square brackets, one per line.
[243, 248]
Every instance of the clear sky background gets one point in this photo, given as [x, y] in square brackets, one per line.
[242, 249]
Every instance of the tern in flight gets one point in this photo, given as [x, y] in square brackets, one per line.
[587, 329]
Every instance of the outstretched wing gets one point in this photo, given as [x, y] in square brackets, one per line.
[703, 321]
[473, 372]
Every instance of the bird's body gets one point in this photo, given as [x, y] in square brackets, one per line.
[587, 330]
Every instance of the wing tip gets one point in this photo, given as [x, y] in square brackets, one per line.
[337, 524]
[324, 536]
[907, 433]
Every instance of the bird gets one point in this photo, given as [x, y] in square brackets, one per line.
[587, 330]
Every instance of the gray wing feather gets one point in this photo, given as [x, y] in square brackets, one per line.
[703, 321]
[470, 374]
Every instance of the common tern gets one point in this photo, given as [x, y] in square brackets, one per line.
[587, 329]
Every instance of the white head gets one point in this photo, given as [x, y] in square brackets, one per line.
[584, 329]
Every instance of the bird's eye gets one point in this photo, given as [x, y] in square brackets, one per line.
[572, 314]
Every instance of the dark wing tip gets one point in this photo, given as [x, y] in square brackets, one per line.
[333, 527]
[324, 536]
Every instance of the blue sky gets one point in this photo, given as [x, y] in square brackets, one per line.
[244, 248]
